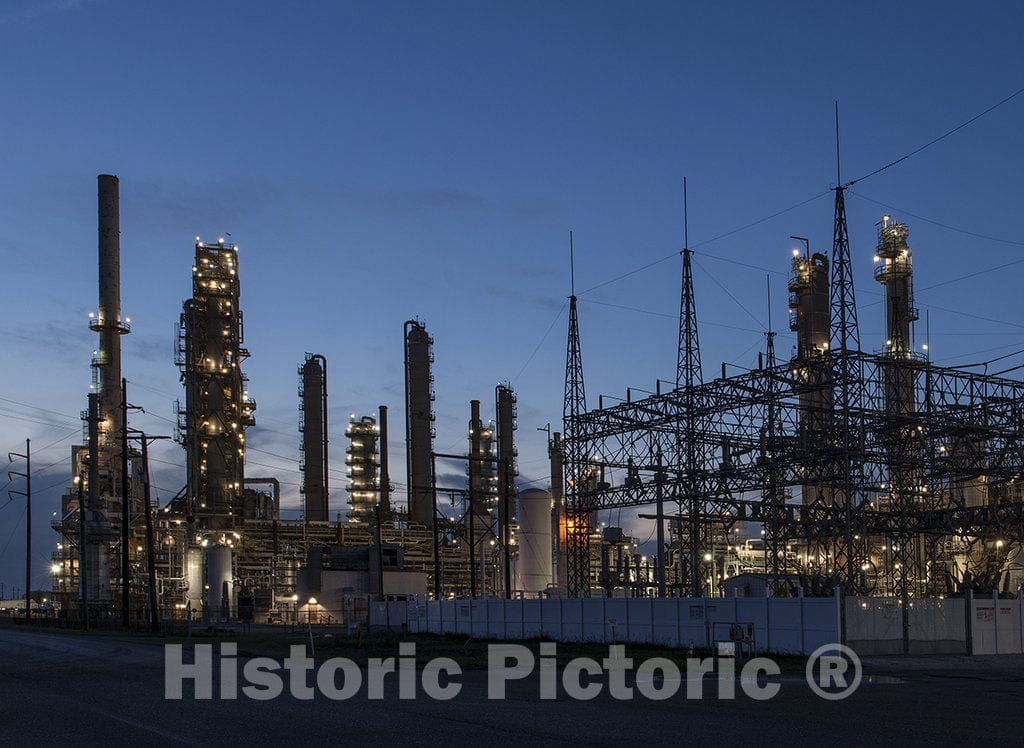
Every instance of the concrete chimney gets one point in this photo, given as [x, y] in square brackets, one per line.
[108, 321]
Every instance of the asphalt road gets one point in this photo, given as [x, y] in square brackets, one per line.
[76, 689]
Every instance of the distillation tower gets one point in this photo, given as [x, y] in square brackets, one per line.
[419, 422]
[362, 468]
[809, 319]
[217, 406]
[313, 426]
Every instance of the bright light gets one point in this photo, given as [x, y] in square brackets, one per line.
[55, 568]
[707, 556]
[312, 601]
[796, 252]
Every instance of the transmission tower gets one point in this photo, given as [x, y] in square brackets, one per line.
[577, 541]
[847, 370]
[688, 377]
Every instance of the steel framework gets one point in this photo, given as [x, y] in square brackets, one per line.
[885, 489]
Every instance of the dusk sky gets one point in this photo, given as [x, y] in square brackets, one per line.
[377, 162]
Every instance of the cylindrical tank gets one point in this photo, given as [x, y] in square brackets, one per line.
[194, 577]
[533, 567]
[219, 575]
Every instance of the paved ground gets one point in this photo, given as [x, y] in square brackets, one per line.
[90, 690]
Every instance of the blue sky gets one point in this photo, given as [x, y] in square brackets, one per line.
[377, 162]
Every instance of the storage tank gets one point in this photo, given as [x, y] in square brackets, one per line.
[218, 574]
[533, 567]
[194, 577]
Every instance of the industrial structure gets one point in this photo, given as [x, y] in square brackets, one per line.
[419, 421]
[831, 467]
[907, 472]
[91, 511]
[217, 409]
[481, 499]
[219, 549]
[314, 446]
[363, 487]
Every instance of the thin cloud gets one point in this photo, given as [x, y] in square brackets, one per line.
[35, 10]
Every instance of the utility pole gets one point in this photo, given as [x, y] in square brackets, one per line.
[125, 569]
[154, 620]
[27, 493]
[380, 552]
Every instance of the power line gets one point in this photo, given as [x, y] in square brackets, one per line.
[759, 221]
[665, 315]
[930, 143]
[940, 224]
[713, 239]
[627, 274]
[537, 348]
[731, 296]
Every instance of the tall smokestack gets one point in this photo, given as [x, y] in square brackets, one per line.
[107, 321]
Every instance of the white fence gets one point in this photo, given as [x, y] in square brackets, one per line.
[874, 625]
[784, 625]
[997, 626]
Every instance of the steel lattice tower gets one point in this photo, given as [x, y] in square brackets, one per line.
[844, 332]
[774, 494]
[577, 530]
[844, 336]
[689, 376]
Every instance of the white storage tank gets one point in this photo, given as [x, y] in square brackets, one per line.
[194, 576]
[533, 566]
[219, 574]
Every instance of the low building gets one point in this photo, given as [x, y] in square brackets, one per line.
[336, 576]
